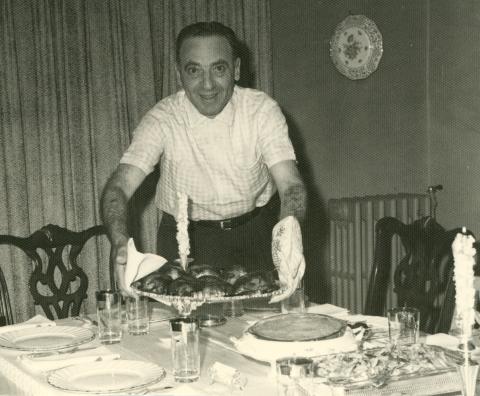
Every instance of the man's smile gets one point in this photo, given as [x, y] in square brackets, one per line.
[208, 97]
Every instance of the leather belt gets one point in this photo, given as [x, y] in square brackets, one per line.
[227, 224]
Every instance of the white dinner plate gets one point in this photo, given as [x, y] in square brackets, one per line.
[106, 377]
[46, 338]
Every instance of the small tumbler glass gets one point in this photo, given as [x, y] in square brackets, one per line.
[185, 349]
[109, 316]
[403, 325]
[137, 315]
[233, 309]
[294, 303]
[294, 376]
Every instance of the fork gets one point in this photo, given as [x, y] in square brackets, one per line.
[146, 391]
[67, 351]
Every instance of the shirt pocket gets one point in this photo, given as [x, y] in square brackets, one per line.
[190, 179]
[251, 176]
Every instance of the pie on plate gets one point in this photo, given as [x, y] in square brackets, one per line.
[298, 327]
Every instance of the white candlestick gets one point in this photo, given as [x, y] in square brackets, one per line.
[182, 229]
[463, 253]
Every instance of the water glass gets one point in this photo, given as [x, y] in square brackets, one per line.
[294, 376]
[403, 325]
[294, 303]
[185, 349]
[109, 315]
[233, 309]
[137, 315]
[210, 315]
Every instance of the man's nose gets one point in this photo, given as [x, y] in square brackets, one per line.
[207, 80]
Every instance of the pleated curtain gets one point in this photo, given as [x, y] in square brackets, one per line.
[76, 76]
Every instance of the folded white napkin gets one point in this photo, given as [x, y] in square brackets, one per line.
[140, 264]
[328, 309]
[442, 340]
[287, 255]
[40, 363]
[36, 321]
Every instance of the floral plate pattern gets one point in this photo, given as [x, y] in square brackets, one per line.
[356, 47]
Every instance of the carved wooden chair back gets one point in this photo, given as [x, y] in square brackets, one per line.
[6, 315]
[423, 277]
[58, 295]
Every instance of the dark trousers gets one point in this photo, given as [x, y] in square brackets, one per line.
[249, 244]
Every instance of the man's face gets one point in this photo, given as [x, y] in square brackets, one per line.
[208, 71]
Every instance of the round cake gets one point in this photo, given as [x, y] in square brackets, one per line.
[298, 327]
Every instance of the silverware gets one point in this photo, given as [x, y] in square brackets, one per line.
[162, 319]
[61, 352]
[146, 391]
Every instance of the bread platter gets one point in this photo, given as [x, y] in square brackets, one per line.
[187, 290]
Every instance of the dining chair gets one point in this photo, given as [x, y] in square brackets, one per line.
[57, 283]
[423, 278]
[6, 315]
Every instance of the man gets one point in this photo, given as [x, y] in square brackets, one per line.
[224, 146]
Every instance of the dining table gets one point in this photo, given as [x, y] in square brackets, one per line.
[216, 346]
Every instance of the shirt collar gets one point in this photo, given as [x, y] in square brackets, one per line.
[195, 118]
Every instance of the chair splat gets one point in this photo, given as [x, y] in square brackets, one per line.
[57, 283]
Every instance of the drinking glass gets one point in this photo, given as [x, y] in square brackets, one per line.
[109, 315]
[210, 315]
[403, 325]
[294, 376]
[294, 303]
[137, 315]
[185, 349]
[233, 309]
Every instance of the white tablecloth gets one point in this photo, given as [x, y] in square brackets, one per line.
[216, 346]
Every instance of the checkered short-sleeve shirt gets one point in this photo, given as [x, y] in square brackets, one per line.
[221, 163]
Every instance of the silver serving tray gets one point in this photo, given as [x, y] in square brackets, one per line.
[443, 360]
[186, 304]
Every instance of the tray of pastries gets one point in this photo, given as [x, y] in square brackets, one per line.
[204, 283]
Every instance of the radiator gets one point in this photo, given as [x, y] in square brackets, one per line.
[352, 242]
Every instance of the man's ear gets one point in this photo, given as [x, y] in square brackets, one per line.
[236, 74]
[177, 72]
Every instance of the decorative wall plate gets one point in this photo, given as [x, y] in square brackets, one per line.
[356, 47]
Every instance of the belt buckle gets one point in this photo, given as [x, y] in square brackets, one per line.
[226, 225]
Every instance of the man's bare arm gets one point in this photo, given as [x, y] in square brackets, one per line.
[293, 196]
[116, 194]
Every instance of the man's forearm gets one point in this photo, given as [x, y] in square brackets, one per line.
[114, 212]
[294, 202]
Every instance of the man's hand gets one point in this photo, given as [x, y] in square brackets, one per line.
[119, 254]
[292, 282]
[287, 255]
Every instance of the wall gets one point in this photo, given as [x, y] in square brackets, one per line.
[352, 137]
[454, 123]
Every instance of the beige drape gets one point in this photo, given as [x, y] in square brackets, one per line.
[76, 76]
